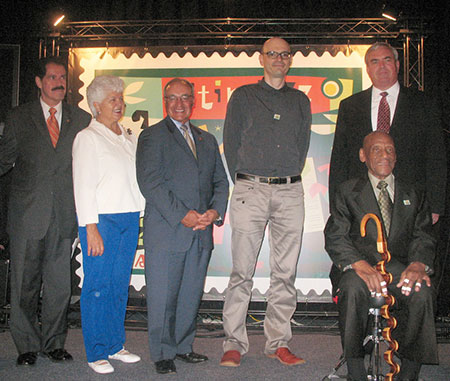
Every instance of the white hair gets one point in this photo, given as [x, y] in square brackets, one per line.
[100, 87]
[378, 45]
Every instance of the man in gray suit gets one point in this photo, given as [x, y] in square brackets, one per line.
[181, 175]
[37, 142]
[411, 243]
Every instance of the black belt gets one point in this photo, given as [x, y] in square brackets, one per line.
[269, 180]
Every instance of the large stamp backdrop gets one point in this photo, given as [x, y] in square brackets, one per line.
[326, 79]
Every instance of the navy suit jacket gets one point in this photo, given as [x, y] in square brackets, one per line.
[421, 158]
[410, 238]
[42, 176]
[174, 182]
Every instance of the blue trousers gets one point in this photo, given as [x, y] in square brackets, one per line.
[104, 294]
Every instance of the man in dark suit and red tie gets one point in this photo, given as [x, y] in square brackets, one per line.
[407, 115]
[407, 222]
[37, 142]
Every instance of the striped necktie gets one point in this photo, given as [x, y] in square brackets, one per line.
[52, 125]
[189, 140]
[385, 204]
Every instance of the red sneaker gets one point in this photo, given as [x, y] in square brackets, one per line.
[286, 357]
[231, 358]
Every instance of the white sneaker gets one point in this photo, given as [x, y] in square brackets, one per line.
[101, 366]
[125, 356]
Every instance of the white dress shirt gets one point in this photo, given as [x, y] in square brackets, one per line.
[46, 110]
[391, 99]
[104, 173]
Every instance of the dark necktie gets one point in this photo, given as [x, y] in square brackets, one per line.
[189, 140]
[52, 125]
[384, 114]
[385, 204]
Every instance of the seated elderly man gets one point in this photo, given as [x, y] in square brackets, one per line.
[407, 223]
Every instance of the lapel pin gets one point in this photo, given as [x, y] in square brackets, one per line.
[406, 202]
[276, 116]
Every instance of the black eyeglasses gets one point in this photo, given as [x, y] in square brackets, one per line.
[274, 55]
[174, 98]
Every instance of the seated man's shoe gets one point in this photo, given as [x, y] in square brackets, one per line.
[231, 358]
[28, 358]
[125, 356]
[286, 357]
[165, 367]
[58, 355]
[192, 357]
[101, 366]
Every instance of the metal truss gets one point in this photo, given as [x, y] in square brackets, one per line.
[407, 35]
[229, 29]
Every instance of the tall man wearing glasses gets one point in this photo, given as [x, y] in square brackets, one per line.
[266, 138]
[181, 175]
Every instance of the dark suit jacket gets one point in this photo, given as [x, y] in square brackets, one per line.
[410, 237]
[174, 182]
[418, 142]
[42, 175]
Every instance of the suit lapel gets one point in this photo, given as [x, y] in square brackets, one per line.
[401, 109]
[199, 143]
[37, 116]
[366, 110]
[366, 197]
[400, 210]
[179, 138]
[367, 202]
[66, 121]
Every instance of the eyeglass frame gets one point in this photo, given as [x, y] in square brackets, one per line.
[174, 98]
[273, 55]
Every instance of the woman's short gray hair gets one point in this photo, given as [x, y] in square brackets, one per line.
[100, 87]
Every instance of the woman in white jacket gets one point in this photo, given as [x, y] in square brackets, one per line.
[108, 204]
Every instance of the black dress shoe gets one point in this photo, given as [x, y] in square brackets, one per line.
[28, 358]
[192, 357]
[165, 367]
[58, 355]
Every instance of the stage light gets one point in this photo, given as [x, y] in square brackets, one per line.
[389, 12]
[60, 18]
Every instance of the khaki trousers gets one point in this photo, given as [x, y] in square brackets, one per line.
[253, 206]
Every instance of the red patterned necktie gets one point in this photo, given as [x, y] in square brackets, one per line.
[384, 114]
[52, 125]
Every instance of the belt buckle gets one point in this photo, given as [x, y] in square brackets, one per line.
[273, 180]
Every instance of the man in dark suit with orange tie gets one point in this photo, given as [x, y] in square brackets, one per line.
[407, 223]
[37, 143]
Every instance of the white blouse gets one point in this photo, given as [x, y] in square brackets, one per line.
[104, 173]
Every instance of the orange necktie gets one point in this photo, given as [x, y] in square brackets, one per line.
[52, 125]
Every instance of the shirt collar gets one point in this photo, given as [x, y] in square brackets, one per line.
[375, 180]
[392, 91]
[266, 86]
[46, 107]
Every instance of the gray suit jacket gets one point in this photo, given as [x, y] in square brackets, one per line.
[410, 237]
[42, 175]
[174, 182]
